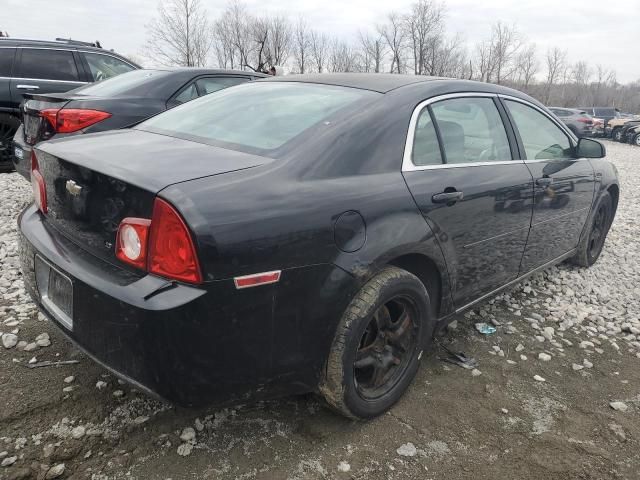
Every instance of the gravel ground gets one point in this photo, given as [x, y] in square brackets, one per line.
[556, 393]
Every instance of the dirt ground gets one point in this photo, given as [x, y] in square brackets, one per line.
[501, 424]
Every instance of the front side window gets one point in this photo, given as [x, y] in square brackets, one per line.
[542, 139]
[257, 117]
[6, 61]
[471, 130]
[209, 85]
[105, 66]
[47, 64]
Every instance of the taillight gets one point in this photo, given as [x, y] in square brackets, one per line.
[162, 245]
[38, 185]
[131, 241]
[67, 120]
[588, 121]
[171, 249]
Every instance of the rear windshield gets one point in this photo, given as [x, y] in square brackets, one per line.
[256, 117]
[122, 84]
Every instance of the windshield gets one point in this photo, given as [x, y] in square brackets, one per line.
[258, 117]
[120, 84]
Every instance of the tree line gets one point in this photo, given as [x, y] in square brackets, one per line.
[415, 41]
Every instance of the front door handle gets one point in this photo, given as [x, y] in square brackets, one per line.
[544, 182]
[447, 197]
[28, 87]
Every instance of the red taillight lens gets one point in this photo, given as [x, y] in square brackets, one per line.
[38, 185]
[131, 241]
[171, 250]
[67, 120]
[588, 121]
[162, 245]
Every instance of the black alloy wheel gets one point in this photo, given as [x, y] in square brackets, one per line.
[386, 348]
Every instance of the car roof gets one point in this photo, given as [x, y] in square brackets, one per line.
[378, 82]
[387, 82]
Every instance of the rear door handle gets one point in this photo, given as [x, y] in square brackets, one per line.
[544, 181]
[28, 87]
[447, 197]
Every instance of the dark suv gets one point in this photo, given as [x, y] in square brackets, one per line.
[33, 66]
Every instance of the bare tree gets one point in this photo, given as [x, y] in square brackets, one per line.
[301, 45]
[423, 27]
[505, 44]
[527, 65]
[556, 62]
[319, 49]
[278, 40]
[393, 33]
[342, 57]
[373, 52]
[180, 35]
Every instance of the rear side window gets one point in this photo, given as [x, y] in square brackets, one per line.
[542, 139]
[188, 93]
[209, 85]
[6, 61]
[471, 130]
[105, 66]
[426, 150]
[47, 64]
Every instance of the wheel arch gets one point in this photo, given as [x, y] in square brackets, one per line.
[427, 271]
[614, 191]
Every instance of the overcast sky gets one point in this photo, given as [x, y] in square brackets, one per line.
[593, 30]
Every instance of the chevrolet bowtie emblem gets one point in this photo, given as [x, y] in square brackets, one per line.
[73, 188]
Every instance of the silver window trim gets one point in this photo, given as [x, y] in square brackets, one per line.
[407, 162]
[43, 80]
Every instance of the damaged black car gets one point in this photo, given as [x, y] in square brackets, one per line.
[305, 233]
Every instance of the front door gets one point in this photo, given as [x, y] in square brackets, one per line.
[564, 185]
[459, 165]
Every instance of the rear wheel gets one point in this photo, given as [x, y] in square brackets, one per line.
[591, 244]
[8, 127]
[378, 345]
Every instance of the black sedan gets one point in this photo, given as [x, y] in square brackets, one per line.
[114, 103]
[320, 228]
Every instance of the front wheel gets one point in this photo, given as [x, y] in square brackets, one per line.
[636, 140]
[592, 242]
[378, 345]
[617, 135]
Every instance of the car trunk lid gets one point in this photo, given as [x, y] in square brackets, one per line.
[95, 181]
[36, 127]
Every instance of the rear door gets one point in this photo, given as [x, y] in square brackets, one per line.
[459, 165]
[44, 70]
[564, 185]
[102, 66]
[6, 66]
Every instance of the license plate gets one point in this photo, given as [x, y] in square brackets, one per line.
[31, 128]
[19, 153]
[56, 291]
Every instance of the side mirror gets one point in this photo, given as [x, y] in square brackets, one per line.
[589, 148]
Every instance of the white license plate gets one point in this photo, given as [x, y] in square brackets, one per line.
[56, 291]
[19, 153]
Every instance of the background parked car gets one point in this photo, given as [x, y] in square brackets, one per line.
[633, 136]
[114, 103]
[31, 66]
[621, 134]
[578, 121]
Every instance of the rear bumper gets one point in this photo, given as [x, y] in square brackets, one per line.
[204, 345]
[22, 165]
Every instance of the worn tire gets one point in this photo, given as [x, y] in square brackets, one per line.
[8, 126]
[338, 385]
[617, 135]
[636, 140]
[584, 256]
